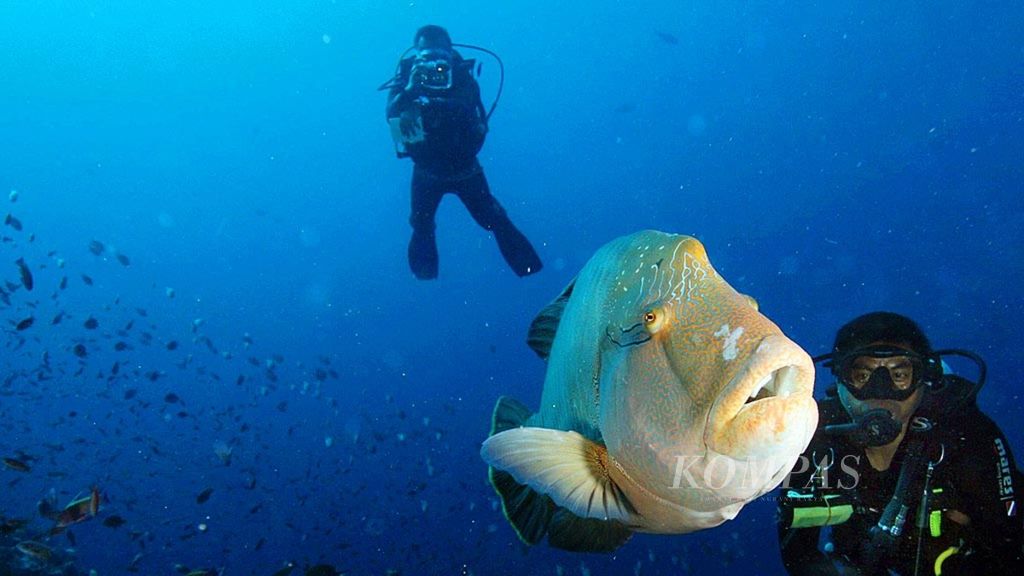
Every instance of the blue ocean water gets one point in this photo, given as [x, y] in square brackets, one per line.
[833, 158]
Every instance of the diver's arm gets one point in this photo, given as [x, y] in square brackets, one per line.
[398, 101]
[985, 482]
[402, 94]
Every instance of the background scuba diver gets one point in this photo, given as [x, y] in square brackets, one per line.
[911, 476]
[439, 121]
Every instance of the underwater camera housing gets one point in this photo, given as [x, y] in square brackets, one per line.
[432, 70]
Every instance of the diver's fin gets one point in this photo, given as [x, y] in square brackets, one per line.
[563, 465]
[527, 511]
[570, 532]
[545, 325]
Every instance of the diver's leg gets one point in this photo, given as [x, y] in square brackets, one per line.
[426, 197]
[488, 213]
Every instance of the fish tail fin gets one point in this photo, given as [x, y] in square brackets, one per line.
[508, 413]
[527, 510]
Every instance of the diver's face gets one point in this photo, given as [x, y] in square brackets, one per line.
[901, 371]
[901, 410]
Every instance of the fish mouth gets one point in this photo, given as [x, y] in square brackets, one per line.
[768, 406]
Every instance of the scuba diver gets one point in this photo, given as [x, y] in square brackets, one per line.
[905, 473]
[438, 119]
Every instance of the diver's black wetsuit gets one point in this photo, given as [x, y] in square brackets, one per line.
[977, 476]
[455, 124]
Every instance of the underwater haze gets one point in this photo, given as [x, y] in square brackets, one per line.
[223, 336]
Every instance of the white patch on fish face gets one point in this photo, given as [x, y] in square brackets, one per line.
[729, 340]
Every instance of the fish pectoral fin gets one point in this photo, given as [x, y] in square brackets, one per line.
[545, 325]
[563, 465]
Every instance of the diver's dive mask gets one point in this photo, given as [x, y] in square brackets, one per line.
[900, 374]
[432, 69]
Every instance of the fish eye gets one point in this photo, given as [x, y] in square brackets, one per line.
[653, 319]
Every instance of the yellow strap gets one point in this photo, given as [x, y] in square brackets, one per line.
[942, 558]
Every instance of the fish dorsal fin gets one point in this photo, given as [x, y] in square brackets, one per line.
[563, 465]
[545, 325]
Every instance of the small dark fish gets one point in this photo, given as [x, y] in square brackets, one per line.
[172, 345]
[9, 526]
[204, 495]
[96, 247]
[91, 323]
[321, 570]
[63, 283]
[24, 324]
[114, 521]
[13, 222]
[26, 274]
[121, 346]
[80, 350]
[87, 279]
[130, 393]
[668, 38]
[171, 398]
[35, 550]
[56, 319]
[16, 465]
[123, 260]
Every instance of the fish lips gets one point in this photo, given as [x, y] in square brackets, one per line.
[767, 410]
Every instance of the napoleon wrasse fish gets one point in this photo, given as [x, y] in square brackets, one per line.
[668, 404]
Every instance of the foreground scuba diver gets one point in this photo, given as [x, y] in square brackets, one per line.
[906, 471]
[438, 119]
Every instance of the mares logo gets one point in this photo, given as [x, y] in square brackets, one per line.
[1005, 477]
